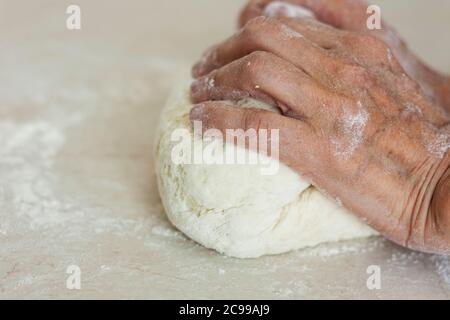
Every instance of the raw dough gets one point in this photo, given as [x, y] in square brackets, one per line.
[236, 210]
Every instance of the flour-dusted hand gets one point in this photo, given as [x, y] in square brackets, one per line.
[352, 15]
[352, 122]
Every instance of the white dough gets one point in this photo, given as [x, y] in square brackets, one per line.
[236, 210]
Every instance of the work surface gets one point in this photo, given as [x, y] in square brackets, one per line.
[78, 110]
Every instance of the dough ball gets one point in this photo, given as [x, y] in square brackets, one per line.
[236, 210]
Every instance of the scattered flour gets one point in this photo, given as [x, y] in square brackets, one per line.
[30, 145]
[26, 161]
[412, 108]
[353, 126]
[278, 8]
[25, 281]
[335, 249]
[29, 197]
[166, 232]
[390, 56]
[105, 268]
[406, 259]
[291, 288]
[37, 139]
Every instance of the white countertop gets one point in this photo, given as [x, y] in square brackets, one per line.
[78, 111]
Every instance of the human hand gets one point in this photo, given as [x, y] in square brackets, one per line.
[351, 15]
[352, 123]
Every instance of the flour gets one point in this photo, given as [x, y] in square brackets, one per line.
[439, 146]
[209, 58]
[278, 8]
[442, 264]
[210, 83]
[330, 250]
[352, 127]
[166, 232]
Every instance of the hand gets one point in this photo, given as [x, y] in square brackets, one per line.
[352, 123]
[351, 15]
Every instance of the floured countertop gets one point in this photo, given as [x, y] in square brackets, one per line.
[78, 110]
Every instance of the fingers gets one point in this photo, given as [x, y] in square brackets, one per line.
[343, 14]
[296, 139]
[265, 77]
[286, 38]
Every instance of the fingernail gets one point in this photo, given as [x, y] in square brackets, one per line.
[197, 112]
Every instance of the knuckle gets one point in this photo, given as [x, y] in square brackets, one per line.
[252, 26]
[256, 30]
[255, 22]
[260, 22]
[254, 65]
[259, 57]
[372, 49]
[255, 25]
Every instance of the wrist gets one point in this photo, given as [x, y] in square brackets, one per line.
[428, 220]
